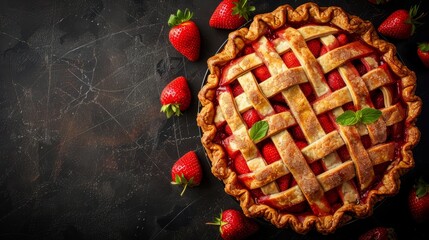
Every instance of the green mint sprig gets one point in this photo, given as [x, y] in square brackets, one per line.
[258, 130]
[365, 116]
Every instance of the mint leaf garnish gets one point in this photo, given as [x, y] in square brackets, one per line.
[348, 118]
[370, 115]
[258, 130]
[365, 116]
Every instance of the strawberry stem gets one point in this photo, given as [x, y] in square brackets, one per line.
[218, 222]
[243, 9]
[413, 18]
[184, 189]
[181, 180]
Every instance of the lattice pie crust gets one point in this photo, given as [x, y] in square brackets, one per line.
[352, 179]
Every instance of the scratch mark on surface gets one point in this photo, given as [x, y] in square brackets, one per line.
[13, 37]
[105, 37]
[159, 35]
[48, 94]
[178, 214]
[156, 165]
[116, 120]
[176, 139]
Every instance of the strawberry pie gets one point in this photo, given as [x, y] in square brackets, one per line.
[308, 117]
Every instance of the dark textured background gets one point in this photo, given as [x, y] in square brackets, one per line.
[85, 152]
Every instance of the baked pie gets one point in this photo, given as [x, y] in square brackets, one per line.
[271, 110]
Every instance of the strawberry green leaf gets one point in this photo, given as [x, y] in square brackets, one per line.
[218, 222]
[243, 9]
[369, 115]
[259, 130]
[422, 188]
[171, 110]
[179, 17]
[181, 180]
[424, 47]
[178, 179]
[413, 18]
[347, 118]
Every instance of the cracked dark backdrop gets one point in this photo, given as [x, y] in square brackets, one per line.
[85, 152]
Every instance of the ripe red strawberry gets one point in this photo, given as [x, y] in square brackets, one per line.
[418, 201]
[301, 144]
[175, 97]
[257, 193]
[323, 50]
[290, 60]
[283, 182]
[335, 81]
[314, 46]
[349, 106]
[379, 233]
[300, 207]
[261, 73]
[342, 39]
[326, 123]
[184, 34]
[360, 68]
[278, 98]
[423, 53]
[230, 14]
[317, 168]
[297, 133]
[401, 24]
[378, 100]
[187, 171]
[233, 225]
[378, 2]
[270, 153]
[248, 50]
[332, 196]
[250, 117]
[366, 141]
[228, 130]
[240, 165]
[236, 89]
[306, 89]
[343, 153]
[280, 108]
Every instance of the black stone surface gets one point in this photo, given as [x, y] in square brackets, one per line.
[85, 152]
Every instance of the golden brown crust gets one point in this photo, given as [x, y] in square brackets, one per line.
[274, 20]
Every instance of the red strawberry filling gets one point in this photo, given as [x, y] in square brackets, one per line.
[261, 73]
[335, 81]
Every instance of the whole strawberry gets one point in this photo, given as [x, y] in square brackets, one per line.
[230, 14]
[423, 53]
[234, 225]
[401, 24]
[184, 34]
[379, 233]
[175, 97]
[187, 171]
[418, 201]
